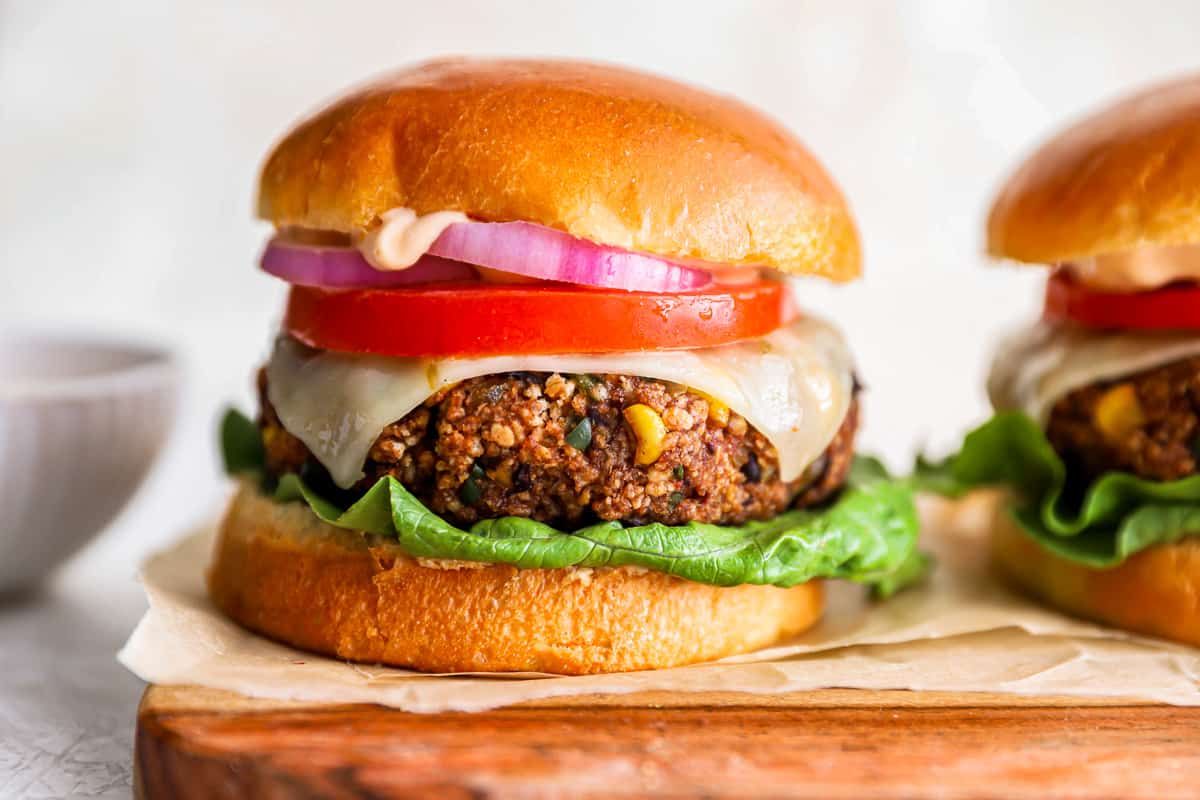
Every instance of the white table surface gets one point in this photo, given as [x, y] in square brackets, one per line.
[67, 708]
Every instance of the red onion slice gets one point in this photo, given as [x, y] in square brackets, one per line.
[345, 268]
[517, 248]
[536, 251]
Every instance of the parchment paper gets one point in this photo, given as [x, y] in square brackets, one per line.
[961, 631]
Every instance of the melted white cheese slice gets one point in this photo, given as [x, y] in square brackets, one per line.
[1039, 365]
[794, 386]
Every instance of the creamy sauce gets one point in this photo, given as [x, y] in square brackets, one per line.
[1041, 364]
[794, 385]
[1139, 269]
[403, 237]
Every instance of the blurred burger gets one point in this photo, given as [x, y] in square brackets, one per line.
[541, 399]
[1098, 424]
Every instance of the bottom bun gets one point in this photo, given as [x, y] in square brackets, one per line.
[280, 571]
[1155, 591]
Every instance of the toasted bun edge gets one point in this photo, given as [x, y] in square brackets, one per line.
[280, 571]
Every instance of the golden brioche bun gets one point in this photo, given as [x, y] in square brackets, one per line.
[1125, 177]
[280, 571]
[604, 153]
[1156, 591]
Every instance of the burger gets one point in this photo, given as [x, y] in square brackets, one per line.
[541, 399]
[1097, 430]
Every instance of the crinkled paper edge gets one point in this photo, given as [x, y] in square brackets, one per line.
[960, 631]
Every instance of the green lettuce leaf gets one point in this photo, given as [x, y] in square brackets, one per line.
[1099, 525]
[868, 534]
[241, 445]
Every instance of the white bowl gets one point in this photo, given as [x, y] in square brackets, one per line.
[81, 421]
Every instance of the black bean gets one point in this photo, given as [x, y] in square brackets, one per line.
[751, 469]
[521, 478]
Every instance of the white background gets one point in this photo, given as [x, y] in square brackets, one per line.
[130, 135]
[131, 132]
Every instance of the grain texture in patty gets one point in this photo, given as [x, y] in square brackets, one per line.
[502, 445]
[1159, 441]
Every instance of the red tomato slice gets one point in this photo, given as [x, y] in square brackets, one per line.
[1176, 306]
[462, 319]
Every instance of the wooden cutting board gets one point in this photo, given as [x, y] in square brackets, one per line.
[201, 743]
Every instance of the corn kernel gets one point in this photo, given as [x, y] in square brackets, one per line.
[1118, 411]
[718, 412]
[649, 430]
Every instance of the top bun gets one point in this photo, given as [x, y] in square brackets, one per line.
[1126, 177]
[603, 153]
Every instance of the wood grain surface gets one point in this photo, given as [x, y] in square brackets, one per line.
[197, 743]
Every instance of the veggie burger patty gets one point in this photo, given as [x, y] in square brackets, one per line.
[568, 449]
[1147, 423]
